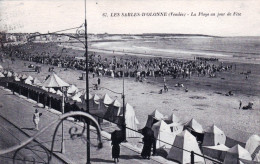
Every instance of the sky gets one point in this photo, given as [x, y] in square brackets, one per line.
[29, 16]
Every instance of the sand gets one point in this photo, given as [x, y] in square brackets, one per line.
[205, 101]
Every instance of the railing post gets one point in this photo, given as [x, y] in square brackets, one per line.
[192, 157]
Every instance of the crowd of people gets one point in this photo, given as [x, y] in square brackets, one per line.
[138, 67]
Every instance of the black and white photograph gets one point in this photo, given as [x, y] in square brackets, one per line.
[130, 81]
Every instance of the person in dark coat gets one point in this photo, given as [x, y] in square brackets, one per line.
[148, 141]
[115, 150]
[117, 138]
[99, 81]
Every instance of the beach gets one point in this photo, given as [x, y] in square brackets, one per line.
[205, 100]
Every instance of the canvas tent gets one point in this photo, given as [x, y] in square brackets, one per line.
[95, 102]
[193, 125]
[23, 77]
[196, 129]
[76, 97]
[28, 80]
[55, 81]
[162, 132]
[51, 90]
[236, 154]
[44, 88]
[171, 119]
[36, 81]
[131, 121]
[217, 152]
[105, 102]
[214, 136]
[154, 117]
[253, 147]
[187, 141]
[1, 74]
[176, 127]
[113, 111]
[9, 74]
[59, 92]
[72, 89]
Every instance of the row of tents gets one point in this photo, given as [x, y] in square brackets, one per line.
[171, 133]
[112, 109]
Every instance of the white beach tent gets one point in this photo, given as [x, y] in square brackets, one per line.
[236, 155]
[253, 147]
[176, 127]
[217, 152]
[54, 81]
[23, 77]
[172, 118]
[131, 121]
[1, 74]
[162, 132]
[153, 117]
[72, 89]
[95, 102]
[194, 126]
[44, 88]
[59, 92]
[16, 79]
[28, 80]
[214, 136]
[76, 97]
[187, 141]
[36, 82]
[113, 111]
[105, 102]
[51, 90]
[9, 74]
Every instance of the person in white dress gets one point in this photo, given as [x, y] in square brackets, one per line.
[36, 119]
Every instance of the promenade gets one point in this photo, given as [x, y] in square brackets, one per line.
[19, 111]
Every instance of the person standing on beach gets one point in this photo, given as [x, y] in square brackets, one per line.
[99, 81]
[240, 104]
[36, 119]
